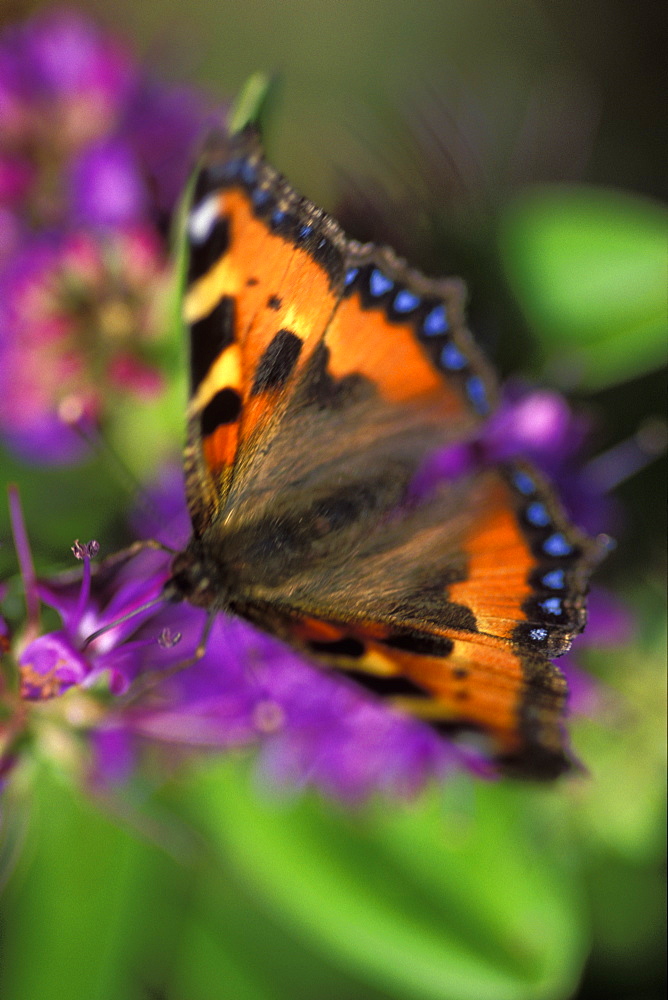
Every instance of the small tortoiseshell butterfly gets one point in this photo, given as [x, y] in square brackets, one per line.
[324, 373]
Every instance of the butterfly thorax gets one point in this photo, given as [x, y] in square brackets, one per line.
[198, 579]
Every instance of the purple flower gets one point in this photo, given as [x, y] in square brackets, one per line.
[65, 55]
[538, 425]
[63, 84]
[85, 135]
[93, 155]
[78, 322]
[57, 661]
[106, 185]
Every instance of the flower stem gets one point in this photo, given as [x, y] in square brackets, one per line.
[26, 565]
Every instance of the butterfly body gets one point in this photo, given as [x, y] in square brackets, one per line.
[324, 374]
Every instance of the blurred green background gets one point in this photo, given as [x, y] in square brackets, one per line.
[519, 144]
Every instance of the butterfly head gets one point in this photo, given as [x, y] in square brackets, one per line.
[196, 579]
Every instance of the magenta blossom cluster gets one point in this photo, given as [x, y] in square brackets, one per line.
[93, 156]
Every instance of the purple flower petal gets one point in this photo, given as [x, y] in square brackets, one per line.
[163, 126]
[537, 423]
[46, 440]
[584, 691]
[67, 55]
[106, 186]
[114, 756]
[444, 465]
[161, 514]
[50, 665]
[610, 621]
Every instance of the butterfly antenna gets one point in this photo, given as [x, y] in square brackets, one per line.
[140, 546]
[124, 618]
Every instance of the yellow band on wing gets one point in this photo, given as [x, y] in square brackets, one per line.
[224, 373]
[203, 297]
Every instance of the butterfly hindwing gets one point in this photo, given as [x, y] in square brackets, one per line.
[461, 684]
[324, 373]
[448, 611]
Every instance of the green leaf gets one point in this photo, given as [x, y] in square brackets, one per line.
[95, 911]
[65, 909]
[61, 503]
[421, 902]
[251, 102]
[589, 269]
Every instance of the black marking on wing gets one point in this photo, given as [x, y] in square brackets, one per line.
[387, 686]
[429, 603]
[274, 302]
[224, 408]
[203, 256]
[329, 256]
[422, 643]
[276, 547]
[347, 646]
[543, 756]
[277, 362]
[460, 617]
[536, 763]
[208, 339]
[319, 389]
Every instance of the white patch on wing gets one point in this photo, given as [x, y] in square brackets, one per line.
[202, 218]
